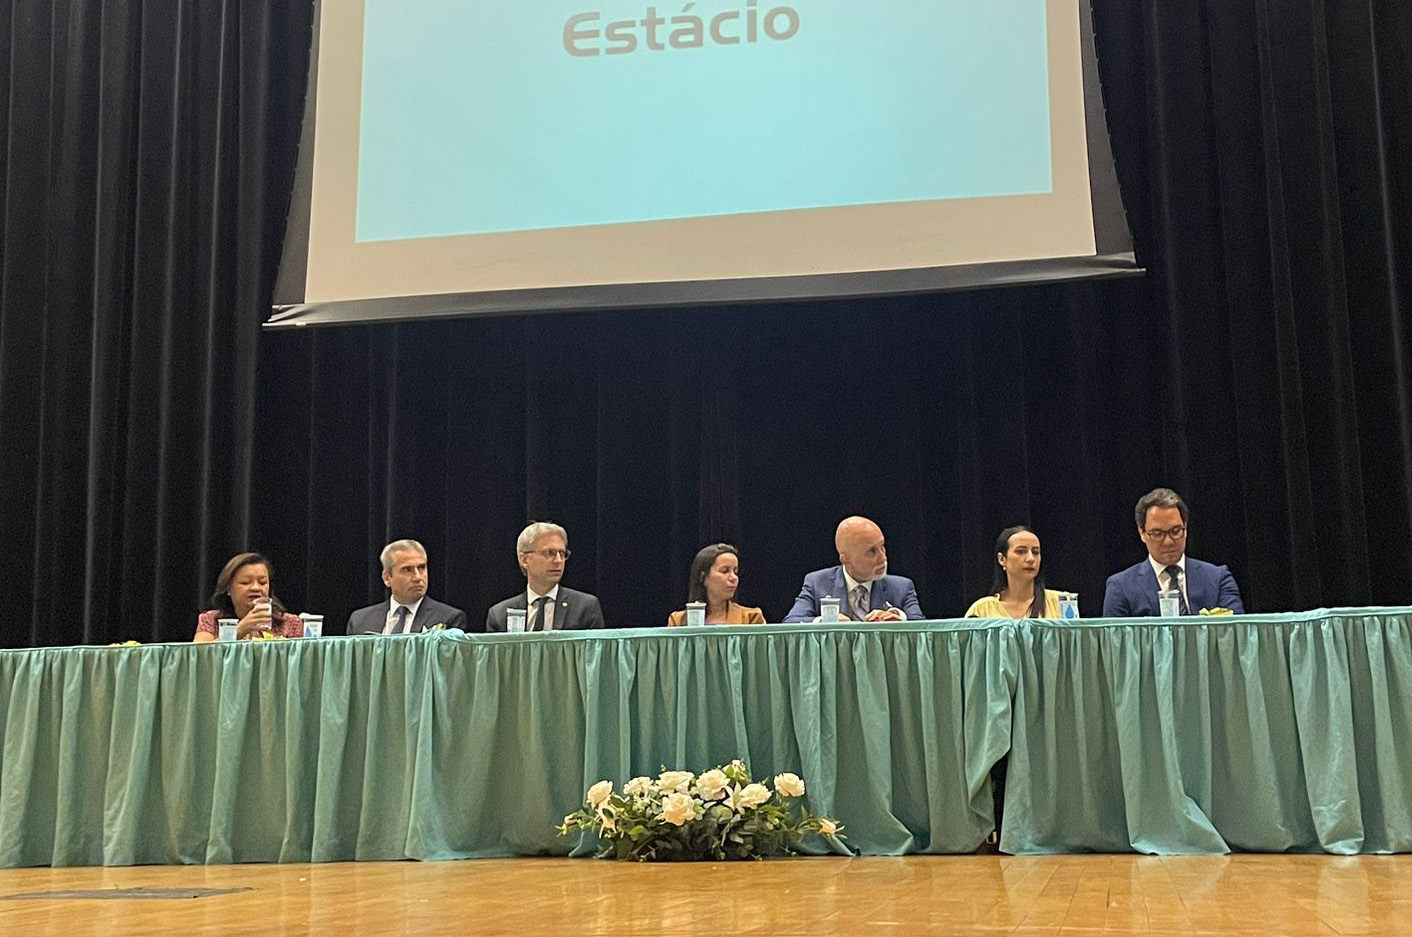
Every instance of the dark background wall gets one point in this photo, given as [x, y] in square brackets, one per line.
[148, 430]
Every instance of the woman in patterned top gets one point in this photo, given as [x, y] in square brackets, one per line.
[243, 581]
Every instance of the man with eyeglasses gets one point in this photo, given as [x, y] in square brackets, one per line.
[543, 550]
[1162, 525]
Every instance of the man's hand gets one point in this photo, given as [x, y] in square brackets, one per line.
[884, 614]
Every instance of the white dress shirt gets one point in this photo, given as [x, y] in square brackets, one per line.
[1161, 572]
[548, 623]
[392, 606]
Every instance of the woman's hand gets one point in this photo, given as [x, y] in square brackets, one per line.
[257, 619]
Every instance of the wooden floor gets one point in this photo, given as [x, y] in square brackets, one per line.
[1061, 895]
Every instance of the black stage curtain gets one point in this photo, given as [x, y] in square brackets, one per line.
[147, 431]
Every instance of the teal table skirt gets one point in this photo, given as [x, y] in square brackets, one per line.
[1289, 732]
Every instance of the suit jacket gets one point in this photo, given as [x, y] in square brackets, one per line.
[1133, 592]
[895, 590]
[370, 620]
[576, 610]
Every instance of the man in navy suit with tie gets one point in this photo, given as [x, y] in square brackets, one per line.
[860, 582]
[1162, 525]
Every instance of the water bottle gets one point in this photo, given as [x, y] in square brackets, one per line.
[515, 620]
[695, 613]
[1169, 602]
[227, 628]
[828, 609]
[1068, 605]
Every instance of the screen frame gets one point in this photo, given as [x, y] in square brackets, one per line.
[1113, 257]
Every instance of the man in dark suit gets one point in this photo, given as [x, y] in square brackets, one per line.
[543, 550]
[408, 608]
[860, 582]
[1162, 525]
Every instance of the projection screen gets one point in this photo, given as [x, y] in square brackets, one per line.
[463, 157]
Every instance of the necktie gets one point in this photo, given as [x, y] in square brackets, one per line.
[536, 622]
[1174, 581]
[401, 625]
[860, 602]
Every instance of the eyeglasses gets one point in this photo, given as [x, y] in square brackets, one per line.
[1173, 533]
[550, 555]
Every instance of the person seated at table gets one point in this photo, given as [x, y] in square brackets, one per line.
[408, 609]
[241, 582]
[542, 550]
[1018, 580]
[713, 579]
[860, 580]
[1162, 527]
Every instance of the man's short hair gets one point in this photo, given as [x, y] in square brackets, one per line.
[531, 534]
[392, 548]
[1159, 498]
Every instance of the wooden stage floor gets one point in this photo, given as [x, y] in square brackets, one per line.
[989, 895]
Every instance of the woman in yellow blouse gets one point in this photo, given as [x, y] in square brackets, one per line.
[714, 576]
[1018, 582]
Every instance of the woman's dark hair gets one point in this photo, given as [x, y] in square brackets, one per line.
[1000, 582]
[220, 599]
[701, 566]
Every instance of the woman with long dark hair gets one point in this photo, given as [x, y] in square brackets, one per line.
[1018, 580]
[243, 593]
[713, 579]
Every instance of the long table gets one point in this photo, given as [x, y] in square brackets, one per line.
[1195, 735]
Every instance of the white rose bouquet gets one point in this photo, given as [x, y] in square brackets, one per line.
[720, 814]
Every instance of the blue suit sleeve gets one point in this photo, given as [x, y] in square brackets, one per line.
[1228, 594]
[911, 605]
[806, 607]
[1115, 603]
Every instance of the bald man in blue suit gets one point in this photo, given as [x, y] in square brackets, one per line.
[860, 582]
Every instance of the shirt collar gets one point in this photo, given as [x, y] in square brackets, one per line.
[393, 604]
[553, 594]
[1160, 570]
[852, 583]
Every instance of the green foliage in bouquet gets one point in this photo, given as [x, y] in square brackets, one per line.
[720, 814]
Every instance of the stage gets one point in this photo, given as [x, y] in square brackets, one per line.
[1042, 896]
